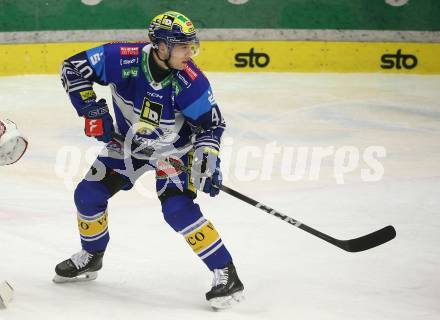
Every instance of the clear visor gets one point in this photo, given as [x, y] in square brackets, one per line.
[186, 49]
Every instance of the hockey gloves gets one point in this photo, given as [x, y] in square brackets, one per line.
[98, 121]
[205, 171]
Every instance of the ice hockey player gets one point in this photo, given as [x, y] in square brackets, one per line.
[12, 147]
[12, 143]
[162, 101]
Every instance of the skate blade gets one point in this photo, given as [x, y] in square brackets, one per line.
[88, 276]
[227, 302]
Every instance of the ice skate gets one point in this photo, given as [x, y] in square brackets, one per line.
[82, 266]
[227, 288]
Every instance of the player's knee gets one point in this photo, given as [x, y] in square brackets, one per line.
[90, 197]
[180, 211]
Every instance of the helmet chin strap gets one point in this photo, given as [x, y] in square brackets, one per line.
[167, 60]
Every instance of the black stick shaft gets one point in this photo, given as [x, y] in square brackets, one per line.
[363, 243]
[276, 213]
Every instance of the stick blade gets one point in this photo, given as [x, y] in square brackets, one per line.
[368, 241]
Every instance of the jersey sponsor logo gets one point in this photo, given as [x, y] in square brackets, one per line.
[165, 170]
[151, 112]
[190, 72]
[399, 61]
[182, 78]
[87, 95]
[154, 95]
[91, 228]
[202, 238]
[130, 72]
[124, 62]
[115, 146]
[129, 51]
[252, 59]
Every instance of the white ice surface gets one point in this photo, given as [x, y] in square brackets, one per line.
[150, 272]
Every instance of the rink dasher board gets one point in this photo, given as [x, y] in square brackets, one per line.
[254, 56]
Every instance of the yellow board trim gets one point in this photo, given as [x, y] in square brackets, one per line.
[201, 238]
[284, 56]
[92, 228]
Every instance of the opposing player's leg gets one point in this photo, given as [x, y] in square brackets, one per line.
[177, 195]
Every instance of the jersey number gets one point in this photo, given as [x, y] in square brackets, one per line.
[215, 117]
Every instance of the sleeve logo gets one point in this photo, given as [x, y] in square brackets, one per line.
[87, 95]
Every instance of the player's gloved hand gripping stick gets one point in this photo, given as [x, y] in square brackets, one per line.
[206, 172]
[363, 243]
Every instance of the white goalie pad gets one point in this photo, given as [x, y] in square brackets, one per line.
[12, 143]
[6, 294]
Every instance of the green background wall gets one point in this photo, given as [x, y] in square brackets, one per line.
[32, 15]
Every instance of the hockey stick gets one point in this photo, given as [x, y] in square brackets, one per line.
[363, 243]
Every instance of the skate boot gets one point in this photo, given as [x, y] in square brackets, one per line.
[227, 288]
[82, 266]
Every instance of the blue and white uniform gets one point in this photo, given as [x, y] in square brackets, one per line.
[181, 105]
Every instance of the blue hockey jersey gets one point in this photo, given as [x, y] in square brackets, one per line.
[182, 103]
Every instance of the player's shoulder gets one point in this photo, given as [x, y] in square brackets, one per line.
[116, 61]
[121, 50]
[126, 49]
[192, 77]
